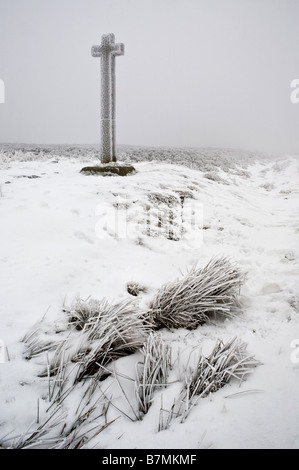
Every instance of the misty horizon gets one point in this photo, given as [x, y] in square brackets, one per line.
[195, 74]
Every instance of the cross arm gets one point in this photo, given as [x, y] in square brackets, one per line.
[119, 49]
[96, 51]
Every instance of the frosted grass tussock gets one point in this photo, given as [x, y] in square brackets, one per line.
[201, 294]
[227, 361]
[108, 331]
[86, 314]
[82, 312]
[134, 288]
[152, 372]
[99, 332]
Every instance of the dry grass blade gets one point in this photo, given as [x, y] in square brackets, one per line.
[80, 432]
[79, 440]
[53, 433]
[153, 371]
[41, 437]
[37, 346]
[198, 296]
[37, 342]
[42, 336]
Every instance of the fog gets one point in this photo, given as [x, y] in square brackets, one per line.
[196, 73]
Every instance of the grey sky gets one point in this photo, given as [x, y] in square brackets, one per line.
[196, 73]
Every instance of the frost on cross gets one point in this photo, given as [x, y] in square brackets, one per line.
[107, 51]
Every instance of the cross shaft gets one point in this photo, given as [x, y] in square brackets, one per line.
[107, 51]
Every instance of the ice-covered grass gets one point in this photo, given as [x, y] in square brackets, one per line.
[201, 295]
[152, 371]
[204, 159]
[226, 361]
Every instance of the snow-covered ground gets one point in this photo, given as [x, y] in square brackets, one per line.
[66, 235]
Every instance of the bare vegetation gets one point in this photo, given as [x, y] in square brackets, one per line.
[57, 431]
[199, 296]
[152, 372]
[108, 331]
[80, 350]
[134, 288]
[227, 361]
[203, 159]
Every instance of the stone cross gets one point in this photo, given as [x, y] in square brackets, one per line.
[108, 50]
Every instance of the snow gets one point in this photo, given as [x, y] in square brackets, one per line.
[58, 242]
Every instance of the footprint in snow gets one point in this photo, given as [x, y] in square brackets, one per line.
[270, 288]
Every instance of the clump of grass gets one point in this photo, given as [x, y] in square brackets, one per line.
[213, 372]
[152, 372]
[198, 296]
[110, 338]
[134, 288]
[99, 333]
[227, 361]
[84, 313]
[108, 331]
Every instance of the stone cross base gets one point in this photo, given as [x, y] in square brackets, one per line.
[120, 169]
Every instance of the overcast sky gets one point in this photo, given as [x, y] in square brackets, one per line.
[196, 73]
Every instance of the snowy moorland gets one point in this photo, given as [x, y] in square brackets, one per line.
[132, 377]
